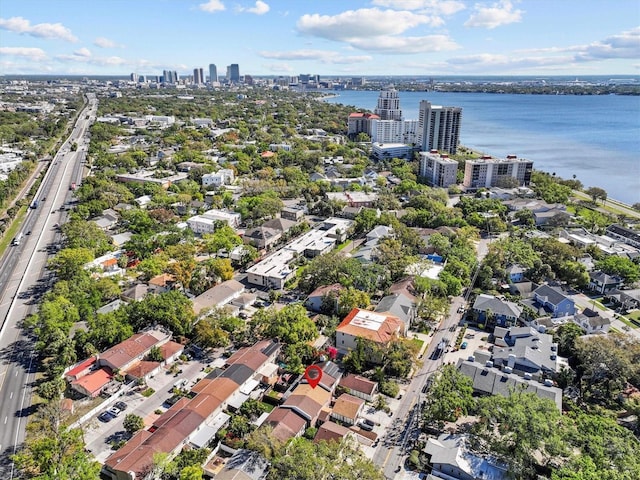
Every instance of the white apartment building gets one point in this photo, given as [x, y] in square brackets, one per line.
[438, 169]
[383, 151]
[224, 176]
[388, 107]
[207, 222]
[487, 172]
[394, 131]
[439, 127]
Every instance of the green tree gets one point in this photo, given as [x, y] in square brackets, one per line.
[290, 325]
[615, 265]
[132, 423]
[69, 262]
[450, 396]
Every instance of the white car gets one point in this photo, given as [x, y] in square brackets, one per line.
[115, 411]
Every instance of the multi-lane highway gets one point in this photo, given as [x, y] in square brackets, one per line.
[23, 279]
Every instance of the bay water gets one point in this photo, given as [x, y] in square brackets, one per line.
[594, 137]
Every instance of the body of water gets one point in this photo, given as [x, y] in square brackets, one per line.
[595, 137]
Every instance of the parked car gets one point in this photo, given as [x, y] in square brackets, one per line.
[105, 417]
[120, 405]
[463, 345]
[369, 422]
[366, 427]
[115, 411]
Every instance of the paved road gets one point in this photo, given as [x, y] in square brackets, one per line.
[395, 446]
[23, 279]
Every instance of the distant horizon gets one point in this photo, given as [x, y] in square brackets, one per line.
[330, 75]
[286, 37]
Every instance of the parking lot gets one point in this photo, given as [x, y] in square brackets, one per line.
[98, 434]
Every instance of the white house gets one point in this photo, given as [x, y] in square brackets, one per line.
[224, 176]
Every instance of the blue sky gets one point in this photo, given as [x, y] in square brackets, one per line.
[326, 37]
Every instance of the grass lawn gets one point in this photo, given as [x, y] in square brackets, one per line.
[634, 315]
[343, 245]
[626, 321]
[418, 343]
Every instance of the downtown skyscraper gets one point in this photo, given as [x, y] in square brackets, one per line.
[213, 73]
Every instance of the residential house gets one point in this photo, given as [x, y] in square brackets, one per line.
[87, 378]
[399, 306]
[623, 234]
[359, 386]
[324, 298]
[262, 237]
[347, 408]
[377, 327]
[554, 301]
[132, 350]
[489, 380]
[451, 458]
[379, 232]
[525, 349]
[592, 322]
[224, 176]
[603, 283]
[135, 293]
[331, 432]
[217, 296]
[502, 311]
[208, 221]
[280, 224]
[354, 199]
[244, 465]
[624, 299]
[162, 283]
[515, 273]
[285, 424]
[294, 213]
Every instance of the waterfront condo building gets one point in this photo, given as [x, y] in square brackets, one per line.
[438, 169]
[360, 123]
[394, 131]
[439, 127]
[487, 172]
[213, 73]
[388, 107]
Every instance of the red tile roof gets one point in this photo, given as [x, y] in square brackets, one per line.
[95, 381]
[122, 354]
[330, 431]
[374, 326]
[80, 367]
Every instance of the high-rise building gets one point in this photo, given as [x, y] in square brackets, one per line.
[213, 73]
[439, 127]
[233, 73]
[438, 169]
[486, 172]
[388, 107]
[134, 77]
[198, 76]
[394, 131]
[169, 76]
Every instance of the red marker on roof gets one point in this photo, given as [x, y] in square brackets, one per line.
[313, 375]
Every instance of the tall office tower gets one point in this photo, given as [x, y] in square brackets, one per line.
[438, 169]
[134, 77]
[248, 79]
[198, 76]
[304, 78]
[389, 105]
[439, 127]
[233, 73]
[213, 73]
[497, 172]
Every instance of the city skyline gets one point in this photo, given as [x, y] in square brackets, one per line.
[280, 37]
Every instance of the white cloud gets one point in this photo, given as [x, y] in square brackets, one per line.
[398, 45]
[322, 56]
[103, 42]
[43, 30]
[500, 13]
[360, 24]
[278, 67]
[260, 8]
[83, 52]
[441, 7]
[27, 52]
[212, 6]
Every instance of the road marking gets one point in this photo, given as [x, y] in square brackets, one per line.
[10, 397]
[5, 420]
[387, 458]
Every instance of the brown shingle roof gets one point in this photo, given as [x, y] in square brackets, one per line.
[123, 353]
[286, 423]
[358, 384]
[348, 406]
[330, 431]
